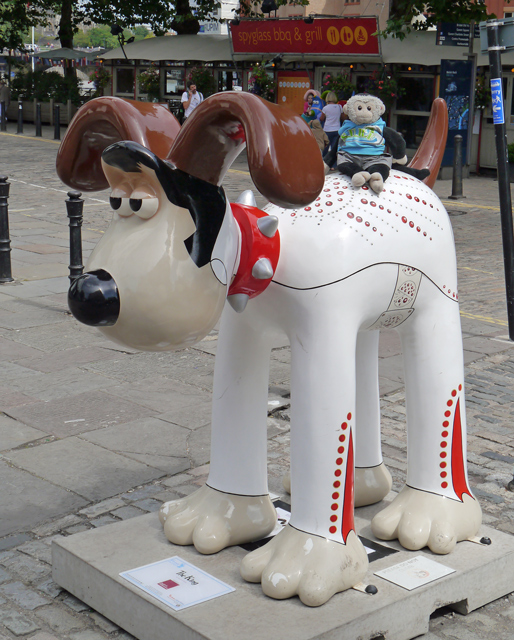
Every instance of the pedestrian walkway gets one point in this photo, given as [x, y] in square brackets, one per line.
[92, 433]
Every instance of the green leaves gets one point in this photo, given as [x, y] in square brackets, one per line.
[406, 16]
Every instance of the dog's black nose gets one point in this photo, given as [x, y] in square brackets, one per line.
[93, 299]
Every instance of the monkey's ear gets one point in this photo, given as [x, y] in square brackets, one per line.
[345, 109]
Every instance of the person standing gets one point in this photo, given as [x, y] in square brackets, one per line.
[190, 99]
[5, 96]
[331, 115]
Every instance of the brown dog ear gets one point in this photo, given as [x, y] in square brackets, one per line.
[103, 121]
[431, 150]
[283, 155]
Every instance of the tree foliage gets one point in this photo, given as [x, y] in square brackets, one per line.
[419, 15]
[16, 18]
[252, 8]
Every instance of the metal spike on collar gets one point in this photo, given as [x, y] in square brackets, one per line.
[268, 225]
[238, 301]
[247, 198]
[262, 269]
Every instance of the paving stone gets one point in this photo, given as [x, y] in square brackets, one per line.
[56, 525]
[89, 634]
[102, 507]
[43, 635]
[103, 623]
[82, 467]
[488, 496]
[59, 619]
[178, 479]
[26, 568]
[24, 597]
[75, 604]
[150, 441]
[49, 587]
[496, 456]
[90, 410]
[78, 528]
[9, 542]
[40, 499]
[38, 550]
[14, 433]
[64, 359]
[103, 520]
[148, 505]
[17, 623]
[161, 394]
[4, 576]
[139, 493]
[125, 513]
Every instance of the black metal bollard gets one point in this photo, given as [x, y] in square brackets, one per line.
[20, 117]
[74, 207]
[5, 242]
[38, 120]
[3, 116]
[457, 169]
[57, 122]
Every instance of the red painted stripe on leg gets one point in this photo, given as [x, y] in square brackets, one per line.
[460, 485]
[348, 505]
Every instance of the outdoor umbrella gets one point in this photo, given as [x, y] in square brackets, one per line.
[62, 54]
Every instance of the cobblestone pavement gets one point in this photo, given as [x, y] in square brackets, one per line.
[92, 433]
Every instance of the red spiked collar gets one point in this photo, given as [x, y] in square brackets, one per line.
[260, 250]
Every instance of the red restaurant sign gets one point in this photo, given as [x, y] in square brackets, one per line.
[352, 36]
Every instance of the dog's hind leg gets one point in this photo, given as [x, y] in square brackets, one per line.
[372, 479]
[436, 507]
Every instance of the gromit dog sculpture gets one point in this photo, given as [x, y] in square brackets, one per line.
[344, 263]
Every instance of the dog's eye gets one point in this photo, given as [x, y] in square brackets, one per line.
[121, 206]
[135, 204]
[147, 207]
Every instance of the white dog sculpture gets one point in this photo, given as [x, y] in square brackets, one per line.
[344, 263]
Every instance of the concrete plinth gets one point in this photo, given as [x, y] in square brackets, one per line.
[88, 565]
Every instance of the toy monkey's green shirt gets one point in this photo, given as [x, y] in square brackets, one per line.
[362, 139]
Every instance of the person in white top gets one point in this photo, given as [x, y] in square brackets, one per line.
[190, 99]
[331, 115]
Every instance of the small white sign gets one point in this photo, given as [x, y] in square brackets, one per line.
[414, 573]
[177, 583]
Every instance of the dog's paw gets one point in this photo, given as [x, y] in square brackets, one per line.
[213, 520]
[372, 484]
[358, 179]
[420, 519]
[297, 563]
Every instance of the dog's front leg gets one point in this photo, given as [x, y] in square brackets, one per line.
[318, 553]
[234, 506]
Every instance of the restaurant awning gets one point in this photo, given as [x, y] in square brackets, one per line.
[417, 48]
[204, 48]
[63, 53]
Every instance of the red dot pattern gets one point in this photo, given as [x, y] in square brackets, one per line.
[445, 434]
[336, 506]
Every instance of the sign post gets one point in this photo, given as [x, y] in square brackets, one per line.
[500, 37]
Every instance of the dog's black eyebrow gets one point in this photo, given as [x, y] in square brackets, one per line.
[205, 202]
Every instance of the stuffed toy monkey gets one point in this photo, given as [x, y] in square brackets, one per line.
[364, 136]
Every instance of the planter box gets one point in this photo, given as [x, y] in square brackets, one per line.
[67, 111]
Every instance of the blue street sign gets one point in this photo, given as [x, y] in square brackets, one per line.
[497, 101]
